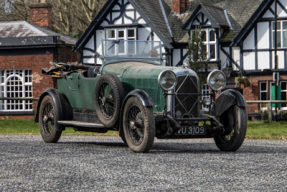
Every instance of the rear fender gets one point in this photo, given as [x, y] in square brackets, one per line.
[64, 108]
[228, 99]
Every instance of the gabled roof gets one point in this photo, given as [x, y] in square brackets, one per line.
[22, 29]
[216, 16]
[151, 12]
[241, 14]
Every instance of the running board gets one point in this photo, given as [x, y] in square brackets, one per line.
[81, 124]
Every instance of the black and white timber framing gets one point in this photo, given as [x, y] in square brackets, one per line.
[250, 51]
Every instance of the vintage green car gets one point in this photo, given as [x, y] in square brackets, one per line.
[141, 99]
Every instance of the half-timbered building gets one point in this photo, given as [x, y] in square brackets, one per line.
[238, 36]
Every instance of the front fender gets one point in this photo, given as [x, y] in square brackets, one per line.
[228, 99]
[65, 110]
[143, 96]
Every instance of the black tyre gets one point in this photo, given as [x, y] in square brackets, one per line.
[122, 136]
[235, 124]
[109, 95]
[139, 125]
[48, 117]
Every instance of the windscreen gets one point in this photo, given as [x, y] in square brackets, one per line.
[121, 50]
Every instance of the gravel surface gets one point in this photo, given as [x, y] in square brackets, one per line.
[106, 164]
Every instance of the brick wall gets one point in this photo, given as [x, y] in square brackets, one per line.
[34, 62]
[180, 6]
[41, 15]
[251, 92]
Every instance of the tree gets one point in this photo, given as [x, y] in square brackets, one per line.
[69, 17]
[73, 17]
[197, 56]
[14, 10]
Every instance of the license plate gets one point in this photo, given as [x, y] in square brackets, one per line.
[196, 130]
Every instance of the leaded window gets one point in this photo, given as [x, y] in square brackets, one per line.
[208, 38]
[281, 34]
[122, 37]
[16, 84]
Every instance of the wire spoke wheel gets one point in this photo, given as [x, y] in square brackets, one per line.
[138, 125]
[48, 117]
[135, 125]
[109, 95]
[235, 125]
[106, 100]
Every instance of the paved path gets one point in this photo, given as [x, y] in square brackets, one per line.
[106, 164]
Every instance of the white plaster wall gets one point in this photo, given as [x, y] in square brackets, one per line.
[176, 56]
[116, 8]
[263, 60]
[249, 41]
[249, 61]
[280, 59]
[130, 14]
[263, 35]
[100, 34]
[90, 43]
[223, 57]
[281, 12]
[88, 53]
[129, 6]
[236, 58]
[268, 14]
[89, 61]
[137, 15]
[143, 33]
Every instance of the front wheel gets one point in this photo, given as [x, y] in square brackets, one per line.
[48, 117]
[139, 125]
[235, 125]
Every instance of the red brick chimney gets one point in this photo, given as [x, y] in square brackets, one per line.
[41, 14]
[180, 6]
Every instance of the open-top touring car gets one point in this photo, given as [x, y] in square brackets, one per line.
[137, 96]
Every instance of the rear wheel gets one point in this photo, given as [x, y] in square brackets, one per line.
[235, 125]
[139, 125]
[48, 117]
[109, 94]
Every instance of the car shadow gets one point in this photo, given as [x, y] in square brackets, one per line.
[164, 147]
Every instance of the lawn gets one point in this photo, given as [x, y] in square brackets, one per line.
[255, 130]
[17, 126]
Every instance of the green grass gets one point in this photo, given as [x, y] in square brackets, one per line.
[255, 130]
[264, 130]
[17, 126]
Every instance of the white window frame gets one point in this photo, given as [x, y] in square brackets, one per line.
[205, 90]
[208, 42]
[281, 30]
[269, 89]
[126, 37]
[263, 91]
[8, 86]
[284, 91]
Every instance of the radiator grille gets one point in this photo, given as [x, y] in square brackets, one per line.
[187, 105]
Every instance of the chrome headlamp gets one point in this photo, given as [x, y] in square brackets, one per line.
[216, 80]
[167, 80]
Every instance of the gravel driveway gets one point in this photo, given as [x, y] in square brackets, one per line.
[106, 164]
